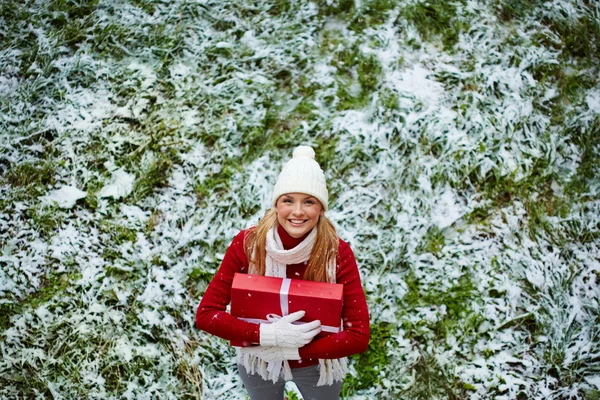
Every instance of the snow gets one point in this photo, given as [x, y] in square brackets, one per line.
[124, 349]
[416, 84]
[83, 110]
[593, 380]
[120, 185]
[447, 210]
[8, 86]
[250, 40]
[592, 99]
[65, 197]
[134, 214]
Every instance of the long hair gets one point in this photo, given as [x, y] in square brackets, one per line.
[324, 250]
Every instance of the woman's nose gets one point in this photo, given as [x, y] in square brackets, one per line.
[297, 208]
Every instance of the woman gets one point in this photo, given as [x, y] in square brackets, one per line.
[294, 240]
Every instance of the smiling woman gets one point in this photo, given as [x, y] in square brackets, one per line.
[293, 240]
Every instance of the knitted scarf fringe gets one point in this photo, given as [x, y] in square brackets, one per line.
[329, 370]
[276, 263]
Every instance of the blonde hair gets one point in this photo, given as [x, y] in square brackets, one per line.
[324, 250]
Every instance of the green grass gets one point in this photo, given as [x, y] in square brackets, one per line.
[579, 37]
[335, 8]
[325, 150]
[502, 190]
[72, 8]
[92, 188]
[46, 219]
[368, 70]
[146, 5]
[75, 23]
[257, 142]
[458, 301]
[291, 395]
[199, 279]
[152, 222]
[592, 394]
[369, 365]
[433, 381]
[509, 10]
[433, 242]
[570, 85]
[32, 179]
[167, 45]
[32, 174]
[7, 310]
[371, 13]
[74, 349]
[355, 94]
[479, 215]
[587, 139]
[535, 189]
[68, 23]
[389, 100]
[50, 286]
[111, 40]
[217, 182]
[436, 19]
[117, 233]
[279, 7]
[154, 176]
[72, 19]
[369, 73]
[555, 353]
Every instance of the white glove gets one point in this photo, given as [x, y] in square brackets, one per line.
[283, 333]
[271, 354]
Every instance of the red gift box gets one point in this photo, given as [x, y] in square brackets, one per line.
[262, 299]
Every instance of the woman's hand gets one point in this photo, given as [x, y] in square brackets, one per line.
[284, 333]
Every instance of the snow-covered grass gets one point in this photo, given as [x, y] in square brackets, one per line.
[461, 145]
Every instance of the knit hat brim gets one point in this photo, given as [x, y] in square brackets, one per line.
[298, 185]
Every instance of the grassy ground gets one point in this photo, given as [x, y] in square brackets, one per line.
[460, 142]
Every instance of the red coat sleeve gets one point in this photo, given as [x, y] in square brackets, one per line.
[355, 315]
[211, 315]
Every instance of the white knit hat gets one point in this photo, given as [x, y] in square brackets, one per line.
[302, 174]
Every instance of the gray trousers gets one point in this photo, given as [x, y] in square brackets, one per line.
[305, 378]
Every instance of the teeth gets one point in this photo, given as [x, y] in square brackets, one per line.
[296, 221]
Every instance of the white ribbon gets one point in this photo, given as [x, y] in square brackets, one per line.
[283, 296]
[275, 317]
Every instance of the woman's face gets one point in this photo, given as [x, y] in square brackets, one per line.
[298, 213]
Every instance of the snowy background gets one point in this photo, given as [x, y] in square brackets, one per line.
[460, 141]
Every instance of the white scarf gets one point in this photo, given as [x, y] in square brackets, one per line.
[276, 262]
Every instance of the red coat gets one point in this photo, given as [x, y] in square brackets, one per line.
[212, 317]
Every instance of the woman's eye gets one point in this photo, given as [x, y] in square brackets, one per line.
[287, 200]
[311, 202]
